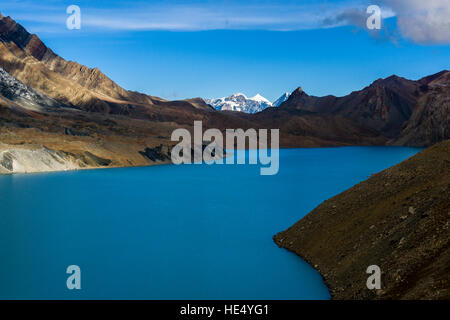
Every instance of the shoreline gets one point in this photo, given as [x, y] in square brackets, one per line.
[116, 166]
[375, 236]
[322, 276]
[397, 219]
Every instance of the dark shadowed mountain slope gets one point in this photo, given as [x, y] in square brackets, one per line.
[430, 121]
[406, 112]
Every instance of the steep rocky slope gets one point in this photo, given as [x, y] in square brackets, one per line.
[430, 121]
[15, 90]
[39, 134]
[46, 101]
[406, 112]
[399, 219]
[15, 37]
[26, 57]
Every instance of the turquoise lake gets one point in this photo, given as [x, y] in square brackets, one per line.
[172, 232]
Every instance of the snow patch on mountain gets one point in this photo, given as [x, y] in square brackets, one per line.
[27, 97]
[281, 99]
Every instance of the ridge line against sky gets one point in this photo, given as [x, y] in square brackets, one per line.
[321, 45]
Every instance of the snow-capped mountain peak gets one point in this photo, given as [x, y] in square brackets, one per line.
[240, 102]
[260, 98]
[237, 94]
[281, 99]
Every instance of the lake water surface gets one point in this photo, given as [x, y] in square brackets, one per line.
[172, 232]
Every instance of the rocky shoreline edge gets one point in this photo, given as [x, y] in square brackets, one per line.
[41, 159]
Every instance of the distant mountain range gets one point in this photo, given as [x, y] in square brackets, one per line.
[48, 102]
[405, 112]
[240, 102]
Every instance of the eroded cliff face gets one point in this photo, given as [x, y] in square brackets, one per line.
[37, 160]
[398, 219]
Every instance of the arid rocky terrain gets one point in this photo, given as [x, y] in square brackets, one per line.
[60, 115]
[48, 102]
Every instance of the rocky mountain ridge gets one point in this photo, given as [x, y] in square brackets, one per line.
[46, 101]
[406, 112]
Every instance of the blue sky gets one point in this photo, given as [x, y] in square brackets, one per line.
[182, 49]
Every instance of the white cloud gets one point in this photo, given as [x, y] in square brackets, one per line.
[423, 21]
[355, 16]
[197, 15]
